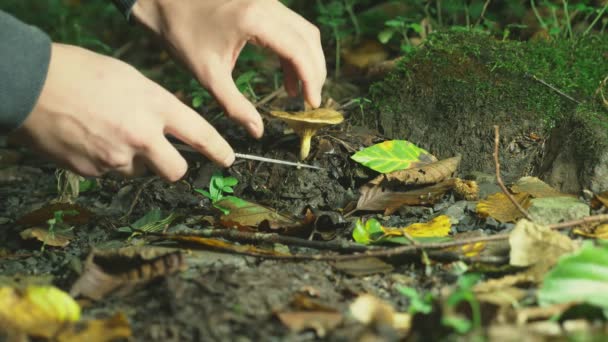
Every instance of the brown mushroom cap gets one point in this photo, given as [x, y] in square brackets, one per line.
[305, 124]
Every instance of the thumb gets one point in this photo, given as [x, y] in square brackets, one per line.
[235, 104]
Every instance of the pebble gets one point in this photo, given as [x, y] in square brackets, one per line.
[552, 210]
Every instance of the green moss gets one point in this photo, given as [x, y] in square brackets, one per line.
[448, 95]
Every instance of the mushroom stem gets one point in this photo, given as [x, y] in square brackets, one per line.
[305, 138]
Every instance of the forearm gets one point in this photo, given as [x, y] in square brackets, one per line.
[24, 59]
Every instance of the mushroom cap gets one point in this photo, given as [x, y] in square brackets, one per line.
[315, 118]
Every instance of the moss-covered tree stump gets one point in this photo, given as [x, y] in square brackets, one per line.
[447, 97]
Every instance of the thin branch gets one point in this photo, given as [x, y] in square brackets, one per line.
[483, 12]
[499, 178]
[554, 88]
[136, 198]
[584, 220]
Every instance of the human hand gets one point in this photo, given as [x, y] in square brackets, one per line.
[97, 114]
[208, 36]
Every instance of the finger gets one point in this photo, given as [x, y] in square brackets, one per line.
[298, 49]
[135, 169]
[235, 104]
[164, 160]
[290, 78]
[189, 127]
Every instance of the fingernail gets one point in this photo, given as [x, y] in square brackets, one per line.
[229, 160]
[256, 129]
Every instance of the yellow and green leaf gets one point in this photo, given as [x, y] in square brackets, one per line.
[393, 155]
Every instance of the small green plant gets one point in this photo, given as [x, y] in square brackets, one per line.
[464, 293]
[199, 94]
[57, 225]
[361, 102]
[333, 17]
[244, 83]
[402, 27]
[419, 302]
[218, 187]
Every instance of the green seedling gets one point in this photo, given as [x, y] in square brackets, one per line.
[218, 187]
[58, 225]
[333, 18]
[464, 293]
[361, 102]
[402, 27]
[199, 95]
[244, 83]
[419, 302]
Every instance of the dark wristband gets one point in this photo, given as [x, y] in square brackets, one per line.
[125, 7]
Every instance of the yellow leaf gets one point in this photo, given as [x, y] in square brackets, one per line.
[473, 249]
[99, 330]
[36, 311]
[501, 208]
[536, 188]
[440, 226]
[599, 232]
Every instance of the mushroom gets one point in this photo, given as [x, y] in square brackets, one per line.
[305, 124]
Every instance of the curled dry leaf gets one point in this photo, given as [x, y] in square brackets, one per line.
[372, 311]
[252, 216]
[377, 198]
[428, 174]
[536, 188]
[79, 215]
[594, 232]
[467, 189]
[320, 321]
[55, 239]
[109, 329]
[499, 207]
[533, 243]
[600, 200]
[363, 267]
[223, 245]
[120, 271]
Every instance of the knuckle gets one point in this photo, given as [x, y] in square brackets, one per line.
[249, 13]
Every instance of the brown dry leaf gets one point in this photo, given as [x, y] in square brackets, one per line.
[252, 216]
[55, 239]
[304, 302]
[320, 321]
[597, 232]
[377, 198]
[535, 313]
[533, 244]
[536, 188]
[428, 174]
[98, 330]
[501, 208]
[363, 267]
[367, 53]
[119, 271]
[467, 189]
[600, 200]
[39, 217]
[507, 296]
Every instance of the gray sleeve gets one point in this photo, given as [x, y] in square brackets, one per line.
[25, 52]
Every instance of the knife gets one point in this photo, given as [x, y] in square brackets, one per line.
[187, 148]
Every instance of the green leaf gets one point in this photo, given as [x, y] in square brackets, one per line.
[459, 324]
[366, 233]
[579, 277]
[204, 193]
[87, 185]
[393, 155]
[419, 303]
[197, 101]
[385, 35]
[152, 216]
[230, 181]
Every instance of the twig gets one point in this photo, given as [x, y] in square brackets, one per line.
[136, 198]
[584, 220]
[499, 178]
[269, 97]
[483, 12]
[555, 89]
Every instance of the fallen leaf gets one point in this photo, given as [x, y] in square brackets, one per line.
[536, 188]
[379, 198]
[40, 216]
[597, 232]
[363, 267]
[152, 221]
[370, 310]
[533, 244]
[427, 174]
[507, 296]
[372, 232]
[499, 207]
[56, 238]
[320, 321]
[467, 189]
[368, 52]
[247, 215]
[38, 311]
[119, 271]
[109, 329]
[600, 200]
[393, 155]
[580, 277]
[473, 249]
[440, 226]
